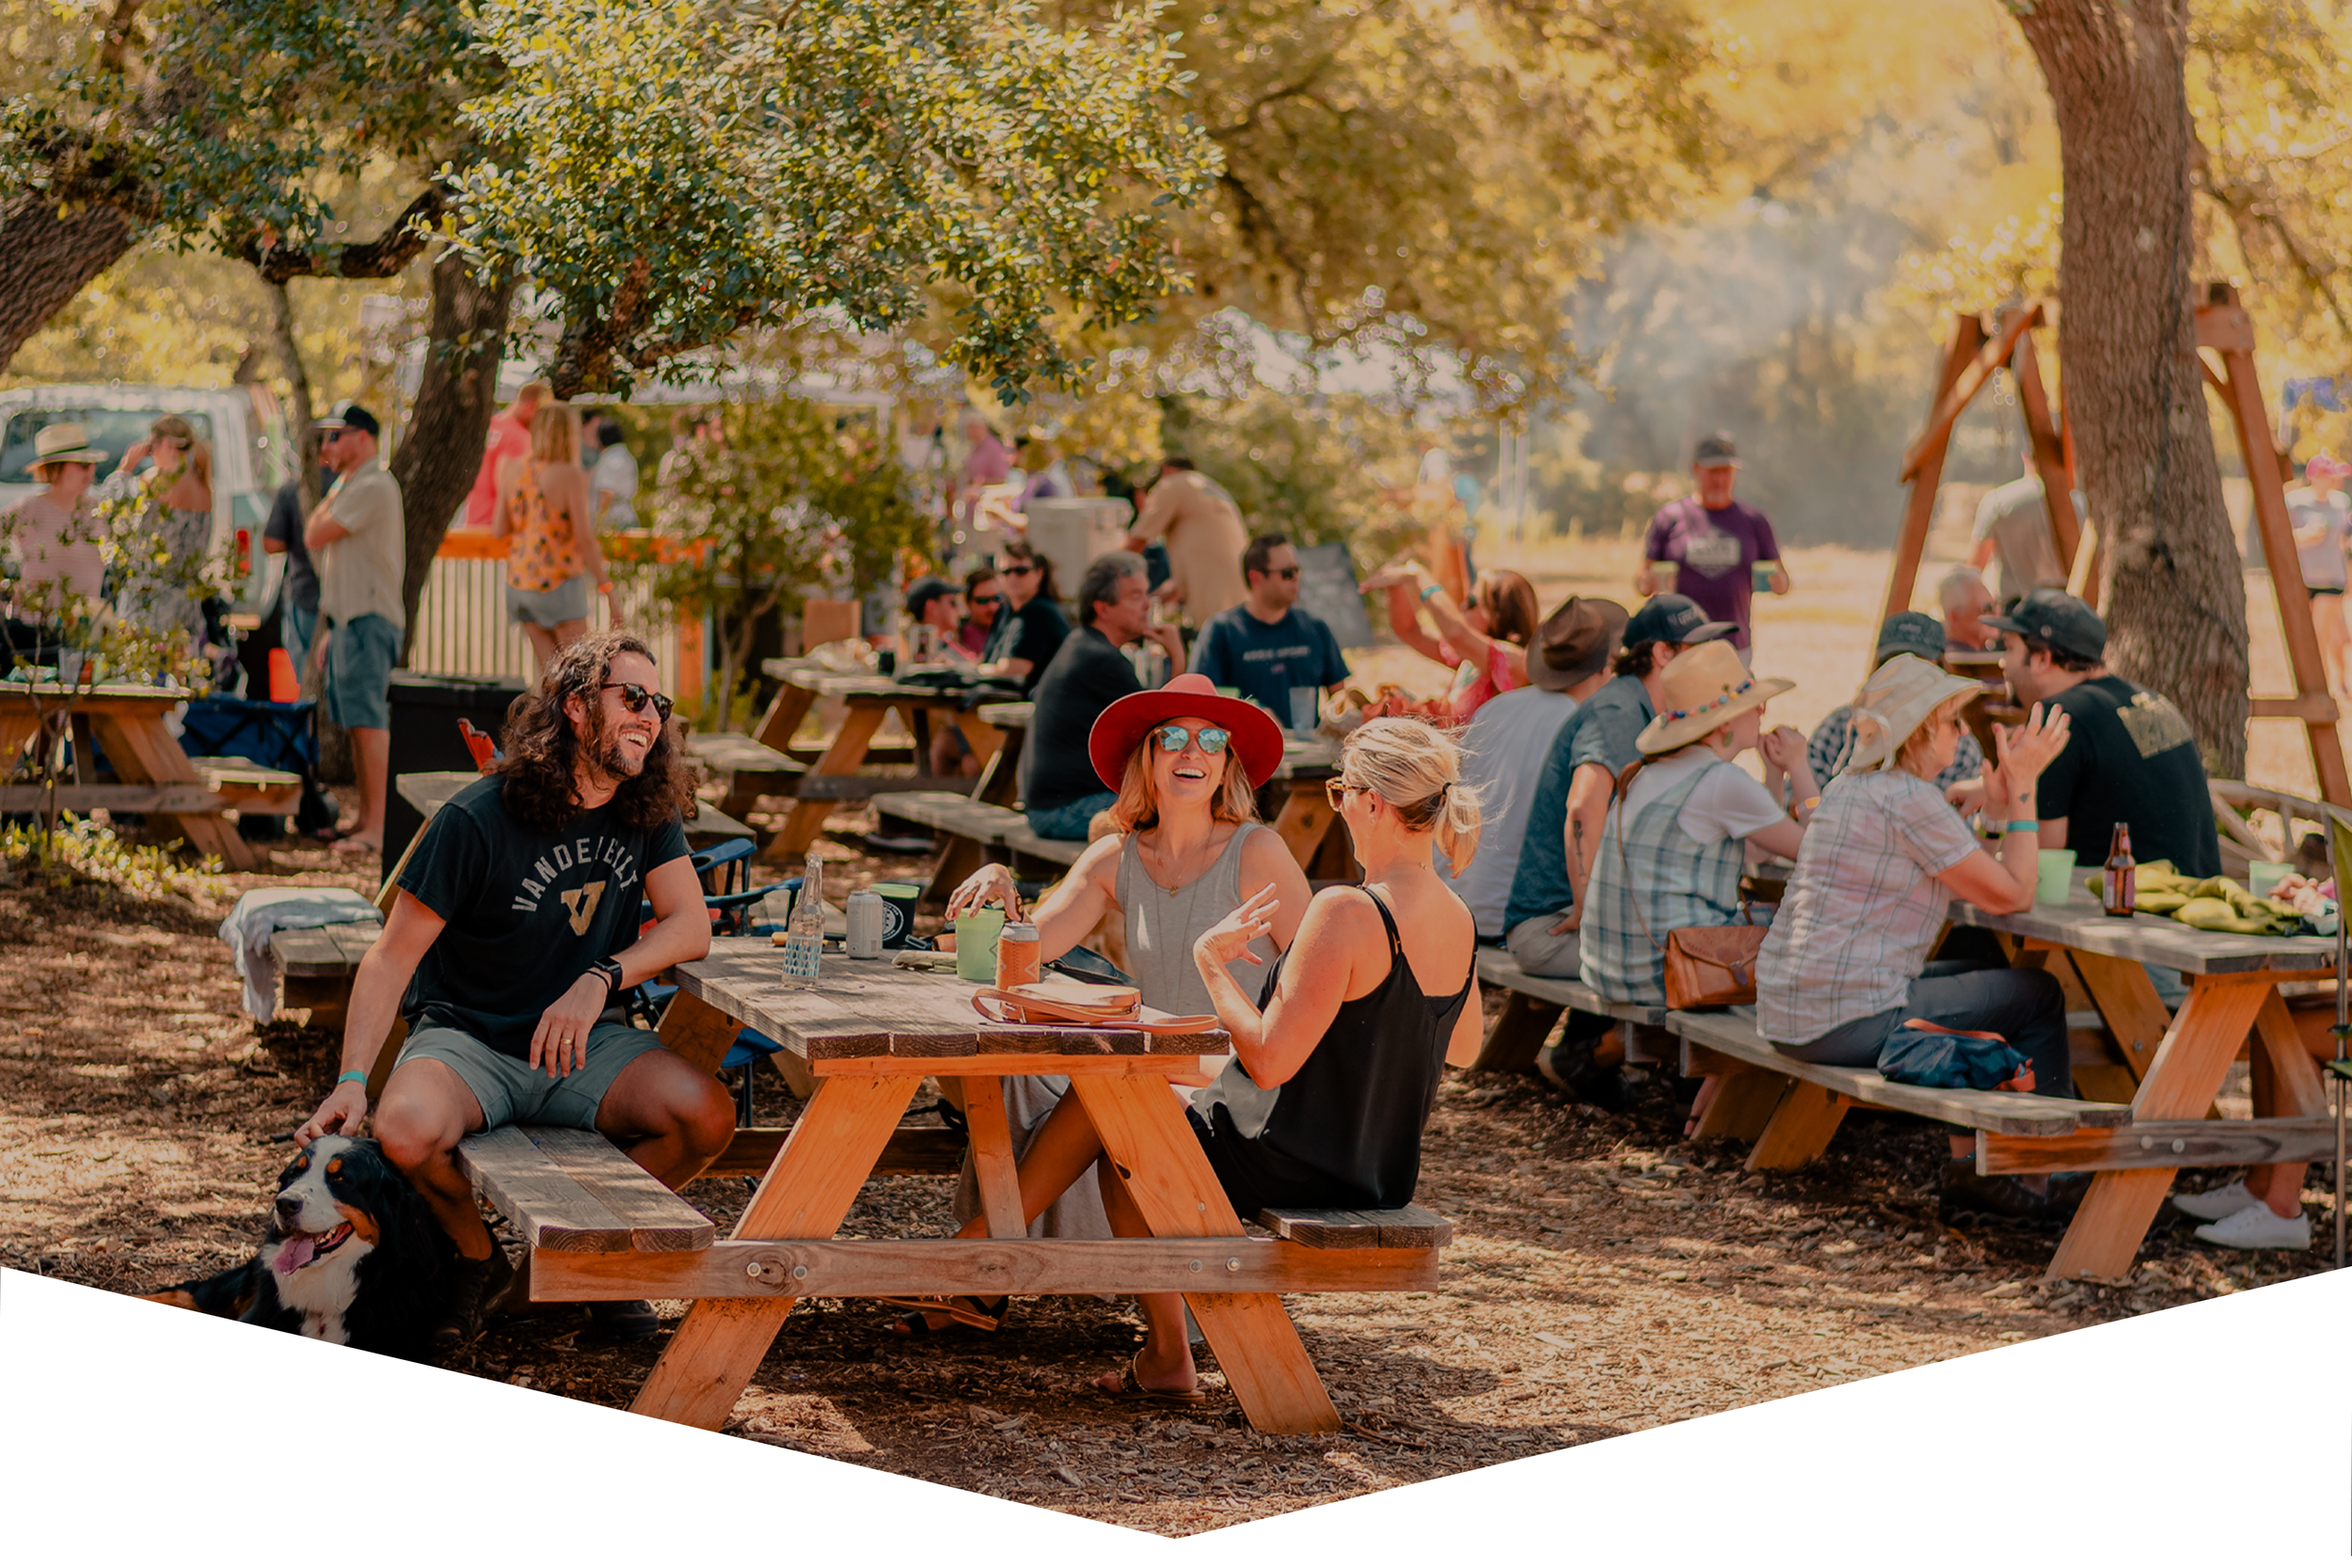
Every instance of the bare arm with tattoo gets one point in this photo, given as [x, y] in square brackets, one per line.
[1588, 806]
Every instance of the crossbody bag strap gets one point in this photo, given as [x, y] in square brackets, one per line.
[1620, 790]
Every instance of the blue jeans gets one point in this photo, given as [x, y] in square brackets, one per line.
[1069, 821]
[2025, 1007]
[295, 628]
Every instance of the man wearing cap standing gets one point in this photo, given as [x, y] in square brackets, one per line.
[358, 542]
[1571, 798]
[1504, 749]
[2316, 511]
[1706, 546]
[1908, 632]
[2130, 757]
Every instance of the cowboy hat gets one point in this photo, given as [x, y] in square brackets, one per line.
[1701, 692]
[1894, 701]
[65, 443]
[1575, 640]
[1125, 722]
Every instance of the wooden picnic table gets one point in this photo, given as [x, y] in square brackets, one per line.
[842, 773]
[2176, 1061]
[152, 774]
[869, 1033]
[1306, 820]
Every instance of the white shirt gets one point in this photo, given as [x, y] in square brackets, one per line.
[1504, 752]
[613, 489]
[1728, 803]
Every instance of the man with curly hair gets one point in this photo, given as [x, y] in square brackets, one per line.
[514, 931]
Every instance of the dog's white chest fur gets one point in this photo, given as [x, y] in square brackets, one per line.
[322, 1291]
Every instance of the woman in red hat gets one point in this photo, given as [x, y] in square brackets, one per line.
[1189, 850]
[1337, 1063]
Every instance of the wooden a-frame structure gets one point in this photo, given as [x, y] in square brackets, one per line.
[1977, 348]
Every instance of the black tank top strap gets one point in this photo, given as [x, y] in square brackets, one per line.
[1396, 948]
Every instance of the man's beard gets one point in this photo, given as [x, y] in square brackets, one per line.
[607, 756]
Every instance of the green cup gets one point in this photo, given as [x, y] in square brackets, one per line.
[2263, 877]
[2054, 876]
[976, 944]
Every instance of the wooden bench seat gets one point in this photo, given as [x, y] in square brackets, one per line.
[1412, 1226]
[1533, 1004]
[316, 965]
[566, 1189]
[1028, 846]
[1790, 1108]
[744, 770]
[971, 833]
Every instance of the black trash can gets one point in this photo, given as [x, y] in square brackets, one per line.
[425, 737]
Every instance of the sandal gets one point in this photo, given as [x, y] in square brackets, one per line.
[1130, 1387]
[967, 1312]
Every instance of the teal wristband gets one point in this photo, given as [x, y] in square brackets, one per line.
[353, 1076]
[1429, 593]
[2024, 828]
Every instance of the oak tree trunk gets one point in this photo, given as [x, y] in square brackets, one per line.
[46, 259]
[2173, 587]
[450, 425]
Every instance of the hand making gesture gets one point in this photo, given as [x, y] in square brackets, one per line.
[1231, 937]
[2023, 751]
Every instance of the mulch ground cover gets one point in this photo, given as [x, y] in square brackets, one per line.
[1606, 1276]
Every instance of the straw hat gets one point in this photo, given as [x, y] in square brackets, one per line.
[1894, 701]
[65, 443]
[1704, 690]
[1121, 729]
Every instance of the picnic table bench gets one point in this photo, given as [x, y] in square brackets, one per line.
[1532, 1005]
[970, 833]
[868, 1034]
[744, 770]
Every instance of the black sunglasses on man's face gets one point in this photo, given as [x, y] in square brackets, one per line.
[1016, 570]
[635, 697]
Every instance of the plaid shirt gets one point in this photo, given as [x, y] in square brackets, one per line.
[1862, 908]
[1833, 743]
[1678, 880]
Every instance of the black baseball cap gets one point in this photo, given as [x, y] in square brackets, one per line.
[348, 415]
[923, 591]
[2054, 616]
[1908, 632]
[1716, 451]
[1672, 618]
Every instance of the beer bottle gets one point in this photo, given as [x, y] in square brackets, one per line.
[2118, 889]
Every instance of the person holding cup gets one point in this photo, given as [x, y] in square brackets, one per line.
[1188, 850]
[1846, 960]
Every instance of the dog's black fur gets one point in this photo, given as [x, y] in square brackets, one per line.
[381, 1280]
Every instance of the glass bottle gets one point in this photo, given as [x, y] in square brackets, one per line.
[805, 935]
[2119, 886]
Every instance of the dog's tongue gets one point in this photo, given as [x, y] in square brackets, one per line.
[295, 1252]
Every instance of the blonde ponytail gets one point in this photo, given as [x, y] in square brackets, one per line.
[1418, 771]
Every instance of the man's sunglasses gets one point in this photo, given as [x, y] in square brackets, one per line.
[635, 697]
[1175, 737]
[1288, 574]
[984, 601]
[1016, 569]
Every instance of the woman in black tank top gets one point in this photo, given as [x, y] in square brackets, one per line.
[1337, 1063]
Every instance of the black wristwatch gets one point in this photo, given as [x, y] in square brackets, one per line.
[611, 969]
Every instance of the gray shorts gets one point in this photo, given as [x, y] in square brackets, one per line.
[360, 658]
[1538, 952]
[510, 1089]
[550, 608]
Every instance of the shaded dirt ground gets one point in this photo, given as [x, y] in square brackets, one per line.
[1606, 1276]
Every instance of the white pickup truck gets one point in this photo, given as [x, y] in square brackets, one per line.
[245, 427]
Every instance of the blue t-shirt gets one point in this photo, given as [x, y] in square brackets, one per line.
[1602, 730]
[1265, 662]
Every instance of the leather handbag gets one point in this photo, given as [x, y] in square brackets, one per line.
[1062, 1003]
[1707, 966]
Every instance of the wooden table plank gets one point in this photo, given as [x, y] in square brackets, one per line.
[657, 1219]
[551, 1210]
[2079, 925]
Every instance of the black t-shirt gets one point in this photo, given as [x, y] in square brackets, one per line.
[527, 911]
[2131, 758]
[1086, 677]
[285, 524]
[1034, 632]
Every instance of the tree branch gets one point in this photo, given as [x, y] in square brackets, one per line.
[382, 257]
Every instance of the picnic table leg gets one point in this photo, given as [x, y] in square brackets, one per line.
[1144, 1134]
[1303, 820]
[989, 1133]
[978, 734]
[2180, 1084]
[781, 720]
[1519, 1034]
[1743, 1106]
[1801, 1128]
[2126, 998]
[845, 755]
[1000, 775]
[146, 747]
[815, 1177]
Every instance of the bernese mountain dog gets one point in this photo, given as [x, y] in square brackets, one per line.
[351, 1256]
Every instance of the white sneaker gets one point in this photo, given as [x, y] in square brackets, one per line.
[2218, 1204]
[2255, 1226]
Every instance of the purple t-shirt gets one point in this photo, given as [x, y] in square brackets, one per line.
[1714, 552]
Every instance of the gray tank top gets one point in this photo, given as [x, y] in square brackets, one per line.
[1163, 924]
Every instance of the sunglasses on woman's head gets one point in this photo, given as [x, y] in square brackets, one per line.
[1336, 792]
[1175, 737]
[635, 697]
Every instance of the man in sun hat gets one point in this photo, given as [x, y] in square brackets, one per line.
[1088, 674]
[1504, 752]
[2316, 511]
[1904, 632]
[54, 535]
[1707, 545]
[2132, 757]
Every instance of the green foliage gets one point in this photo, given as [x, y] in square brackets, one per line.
[767, 501]
[671, 173]
[84, 854]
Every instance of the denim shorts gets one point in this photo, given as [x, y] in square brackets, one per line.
[550, 608]
[359, 658]
[1069, 821]
[510, 1089]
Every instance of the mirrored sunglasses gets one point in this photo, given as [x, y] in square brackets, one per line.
[1175, 737]
[635, 697]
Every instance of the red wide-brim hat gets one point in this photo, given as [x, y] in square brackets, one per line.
[1125, 722]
